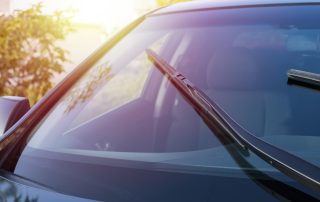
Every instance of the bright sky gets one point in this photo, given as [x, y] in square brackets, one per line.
[111, 14]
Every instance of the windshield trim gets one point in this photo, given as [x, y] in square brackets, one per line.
[170, 11]
[291, 165]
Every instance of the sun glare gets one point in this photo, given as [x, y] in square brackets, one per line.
[109, 13]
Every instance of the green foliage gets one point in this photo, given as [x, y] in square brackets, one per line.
[169, 2]
[29, 56]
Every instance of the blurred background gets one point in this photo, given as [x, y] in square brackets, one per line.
[43, 40]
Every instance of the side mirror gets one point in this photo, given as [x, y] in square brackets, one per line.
[12, 108]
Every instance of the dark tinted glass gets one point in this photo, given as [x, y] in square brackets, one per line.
[123, 113]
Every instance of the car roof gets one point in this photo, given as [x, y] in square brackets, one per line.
[212, 4]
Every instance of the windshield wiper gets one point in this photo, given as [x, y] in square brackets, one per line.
[215, 117]
[304, 78]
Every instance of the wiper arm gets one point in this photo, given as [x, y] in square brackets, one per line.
[304, 78]
[198, 99]
[215, 116]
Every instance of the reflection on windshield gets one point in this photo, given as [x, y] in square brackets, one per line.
[85, 91]
[10, 192]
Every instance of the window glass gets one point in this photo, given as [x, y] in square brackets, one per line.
[125, 113]
[124, 87]
[111, 108]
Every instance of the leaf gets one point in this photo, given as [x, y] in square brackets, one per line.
[29, 56]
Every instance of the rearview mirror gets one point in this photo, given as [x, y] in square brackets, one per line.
[12, 108]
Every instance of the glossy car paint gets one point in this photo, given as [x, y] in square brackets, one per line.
[12, 189]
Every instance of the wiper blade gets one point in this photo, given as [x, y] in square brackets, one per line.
[198, 98]
[304, 78]
[215, 116]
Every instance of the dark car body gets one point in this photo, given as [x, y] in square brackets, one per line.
[48, 156]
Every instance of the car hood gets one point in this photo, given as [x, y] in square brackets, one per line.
[14, 191]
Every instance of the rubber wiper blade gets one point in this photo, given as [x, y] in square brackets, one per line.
[214, 116]
[198, 99]
[304, 77]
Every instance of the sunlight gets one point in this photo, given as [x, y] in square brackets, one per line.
[110, 14]
[94, 20]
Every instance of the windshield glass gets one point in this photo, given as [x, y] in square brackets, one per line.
[124, 109]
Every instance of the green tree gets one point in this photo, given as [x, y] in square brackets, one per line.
[168, 2]
[29, 54]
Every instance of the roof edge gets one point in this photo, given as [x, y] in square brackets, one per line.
[227, 4]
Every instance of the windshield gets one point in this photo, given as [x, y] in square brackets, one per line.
[126, 110]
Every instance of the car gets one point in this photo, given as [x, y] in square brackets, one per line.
[199, 101]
